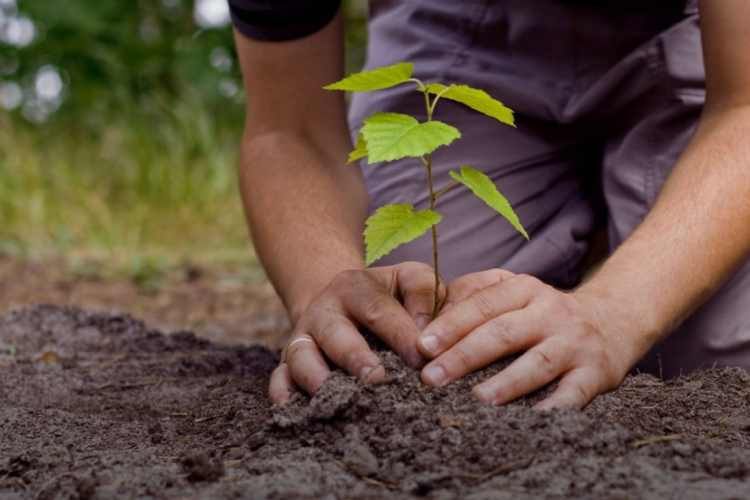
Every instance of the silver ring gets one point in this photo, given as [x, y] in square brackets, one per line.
[301, 339]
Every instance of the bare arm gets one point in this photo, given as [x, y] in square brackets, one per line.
[699, 230]
[306, 208]
[696, 234]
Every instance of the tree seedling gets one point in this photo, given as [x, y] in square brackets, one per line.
[393, 136]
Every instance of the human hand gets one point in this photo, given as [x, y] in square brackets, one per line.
[395, 303]
[493, 314]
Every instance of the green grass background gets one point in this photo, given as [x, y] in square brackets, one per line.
[139, 162]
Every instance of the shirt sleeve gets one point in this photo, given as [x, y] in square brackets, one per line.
[278, 20]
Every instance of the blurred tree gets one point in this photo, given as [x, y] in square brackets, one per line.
[120, 123]
[94, 59]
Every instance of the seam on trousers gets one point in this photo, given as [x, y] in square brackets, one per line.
[656, 65]
[472, 26]
[457, 59]
[563, 257]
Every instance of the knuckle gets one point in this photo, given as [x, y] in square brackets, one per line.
[458, 287]
[451, 329]
[484, 305]
[525, 280]
[581, 392]
[372, 311]
[292, 351]
[497, 274]
[348, 358]
[530, 284]
[399, 341]
[546, 363]
[557, 306]
[513, 384]
[464, 358]
[585, 337]
[500, 333]
[418, 267]
[345, 279]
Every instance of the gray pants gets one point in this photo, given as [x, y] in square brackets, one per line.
[606, 97]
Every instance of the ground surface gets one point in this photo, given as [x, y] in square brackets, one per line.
[97, 405]
[228, 306]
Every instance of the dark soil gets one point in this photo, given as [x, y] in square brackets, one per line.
[226, 304]
[98, 405]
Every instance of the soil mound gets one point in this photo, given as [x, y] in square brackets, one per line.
[96, 405]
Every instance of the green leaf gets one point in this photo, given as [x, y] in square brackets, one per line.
[360, 150]
[394, 225]
[391, 136]
[485, 189]
[377, 79]
[476, 99]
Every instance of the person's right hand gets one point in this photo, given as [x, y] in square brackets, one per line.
[395, 303]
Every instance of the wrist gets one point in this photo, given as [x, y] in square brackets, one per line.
[298, 300]
[630, 328]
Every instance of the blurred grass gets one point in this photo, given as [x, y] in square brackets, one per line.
[139, 163]
[161, 183]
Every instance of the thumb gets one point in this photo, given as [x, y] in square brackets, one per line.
[416, 285]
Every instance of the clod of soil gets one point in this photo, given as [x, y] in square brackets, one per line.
[97, 405]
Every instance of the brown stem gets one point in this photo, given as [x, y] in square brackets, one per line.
[433, 198]
[446, 189]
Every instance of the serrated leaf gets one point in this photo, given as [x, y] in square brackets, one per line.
[360, 150]
[376, 79]
[485, 189]
[476, 99]
[392, 136]
[392, 226]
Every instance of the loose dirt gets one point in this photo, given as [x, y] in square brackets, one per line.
[96, 405]
[226, 304]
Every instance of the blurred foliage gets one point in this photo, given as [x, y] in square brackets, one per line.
[114, 56]
[136, 151]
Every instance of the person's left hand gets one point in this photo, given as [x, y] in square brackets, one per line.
[493, 314]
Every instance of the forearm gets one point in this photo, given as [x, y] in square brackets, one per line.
[306, 209]
[696, 234]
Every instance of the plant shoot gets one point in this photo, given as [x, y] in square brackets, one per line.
[393, 136]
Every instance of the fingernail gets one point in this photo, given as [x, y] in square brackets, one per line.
[415, 359]
[484, 394]
[423, 321]
[366, 372]
[430, 344]
[435, 375]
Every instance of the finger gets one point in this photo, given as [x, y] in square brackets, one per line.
[281, 384]
[496, 339]
[345, 347]
[384, 316]
[576, 389]
[416, 284]
[463, 286]
[532, 371]
[306, 365]
[477, 309]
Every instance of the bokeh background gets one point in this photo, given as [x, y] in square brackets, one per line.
[120, 124]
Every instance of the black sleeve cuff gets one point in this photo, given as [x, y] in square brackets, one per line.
[279, 20]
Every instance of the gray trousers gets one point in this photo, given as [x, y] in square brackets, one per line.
[606, 97]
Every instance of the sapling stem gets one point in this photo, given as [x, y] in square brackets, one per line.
[388, 136]
[433, 198]
[447, 188]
